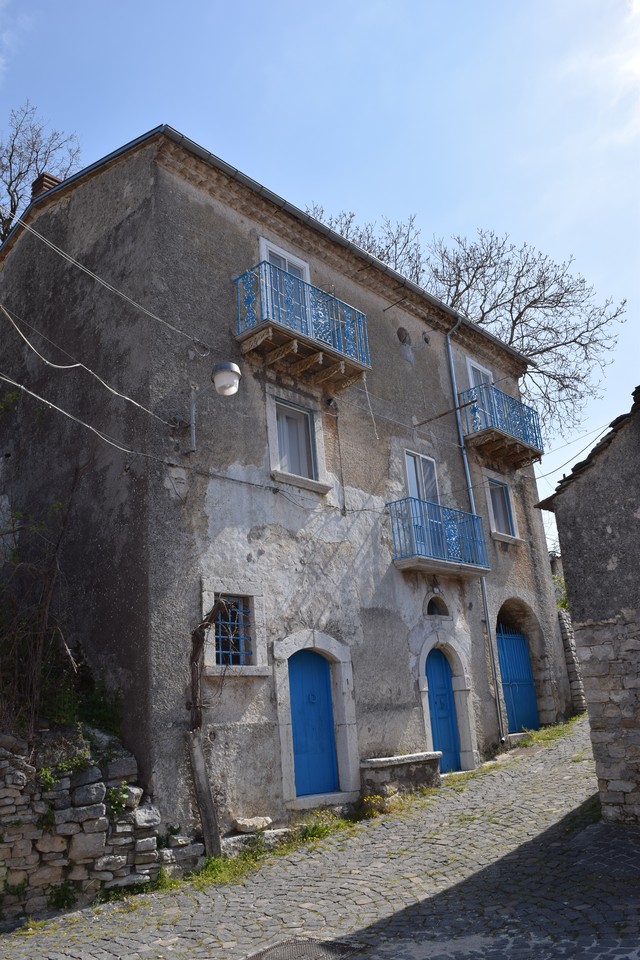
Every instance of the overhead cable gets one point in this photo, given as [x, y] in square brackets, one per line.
[98, 433]
[74, 366]
[109, 286]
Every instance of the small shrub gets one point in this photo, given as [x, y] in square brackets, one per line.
[224, 870]
[162, 839]
[62, 896]
[102, 709]
[164, 881]
[116, 800]
[16, 889]
[47, 778]
[322, 824]
[47, 820]
[372, 805]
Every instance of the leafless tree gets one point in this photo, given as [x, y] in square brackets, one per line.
[522, 296]
[28, 149]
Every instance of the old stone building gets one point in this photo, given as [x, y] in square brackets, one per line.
[597, 510]
[363, 505]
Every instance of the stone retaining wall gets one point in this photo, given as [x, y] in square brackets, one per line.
[609, 652]
[386, 775]
[576, 685]
[61, 842]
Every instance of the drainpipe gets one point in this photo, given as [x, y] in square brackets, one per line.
[483, 582]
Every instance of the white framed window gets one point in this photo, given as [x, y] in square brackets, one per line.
[500, 504]
[296, 440]
[422, 480]
[285, 290]
[236, 640]
[477, 373]
[283, 260]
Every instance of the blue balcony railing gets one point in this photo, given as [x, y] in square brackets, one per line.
[267, 293]
[485, 407]
[421, 528]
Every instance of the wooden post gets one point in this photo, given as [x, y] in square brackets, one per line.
[208, 816]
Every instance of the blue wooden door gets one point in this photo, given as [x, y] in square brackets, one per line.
[517, 680]
[314, 748]
[442, 710]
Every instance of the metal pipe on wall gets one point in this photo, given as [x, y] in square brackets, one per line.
[483, 583]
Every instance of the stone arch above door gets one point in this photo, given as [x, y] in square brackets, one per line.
[339, 656]
[444, 639]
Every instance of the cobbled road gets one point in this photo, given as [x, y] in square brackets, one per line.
[510, 864]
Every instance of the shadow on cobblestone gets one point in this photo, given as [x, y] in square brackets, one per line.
[573, 891]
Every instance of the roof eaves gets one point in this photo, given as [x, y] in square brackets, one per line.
[579, 468]
[259, 188]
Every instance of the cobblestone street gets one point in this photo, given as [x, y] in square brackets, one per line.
[508, 864]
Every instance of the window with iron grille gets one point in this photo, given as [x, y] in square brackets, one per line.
[231, 632]
[236, 640]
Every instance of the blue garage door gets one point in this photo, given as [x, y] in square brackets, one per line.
[517, 680]
[442, 710]
[314, 748]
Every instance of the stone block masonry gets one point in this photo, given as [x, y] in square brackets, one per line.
[609, 652]
[64, 841]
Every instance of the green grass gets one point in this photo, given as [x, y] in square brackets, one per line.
[547, 735]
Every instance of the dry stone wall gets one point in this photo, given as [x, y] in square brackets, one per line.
[609, 652]
[63, 840]
[576, 685]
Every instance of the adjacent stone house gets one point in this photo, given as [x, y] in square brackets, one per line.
[597, 510]
[363, 505]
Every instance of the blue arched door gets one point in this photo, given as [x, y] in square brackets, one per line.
[517, 680]
[314, 748]
[442, 710]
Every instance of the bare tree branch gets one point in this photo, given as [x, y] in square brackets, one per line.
[27, 150]
[523, 297]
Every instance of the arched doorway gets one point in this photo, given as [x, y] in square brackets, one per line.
[517, 679]
[312, 724]
[442, 710]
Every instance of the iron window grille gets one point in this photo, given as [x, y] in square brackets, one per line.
[231, 632]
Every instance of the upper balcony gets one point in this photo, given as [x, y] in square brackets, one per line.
[299, 329]
[437, 539]
[502, 426]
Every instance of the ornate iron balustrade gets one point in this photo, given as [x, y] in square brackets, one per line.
[421, 528]
[267, 293]
[485, 407]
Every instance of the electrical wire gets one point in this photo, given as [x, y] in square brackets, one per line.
[103, 436]
[75, 365]
[109, 286]
[571, 459]
[375, 429]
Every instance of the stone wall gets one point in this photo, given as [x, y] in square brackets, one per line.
[393, 774]
[609, 651]
[62, 842]
[576, 686]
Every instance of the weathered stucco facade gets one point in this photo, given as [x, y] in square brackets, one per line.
[597, 510]
[154, 540]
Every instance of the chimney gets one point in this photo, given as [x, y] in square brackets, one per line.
[46, 181]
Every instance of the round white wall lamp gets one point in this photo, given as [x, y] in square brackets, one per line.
[226, 378]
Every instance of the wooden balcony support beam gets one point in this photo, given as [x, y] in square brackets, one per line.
[252, 343]
[297, 368]
[329, 372]
[349, 381]
[274, 355]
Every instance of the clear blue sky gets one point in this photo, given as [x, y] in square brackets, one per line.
[517, 115]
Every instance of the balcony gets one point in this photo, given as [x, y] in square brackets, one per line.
[504, 428]
[437, 539]
[297, 329]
